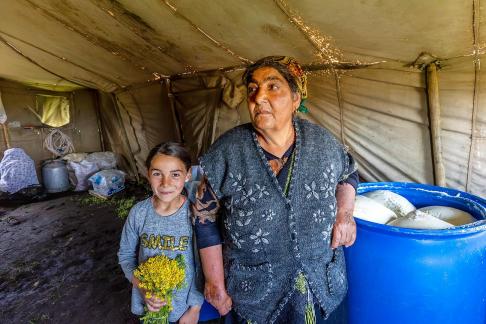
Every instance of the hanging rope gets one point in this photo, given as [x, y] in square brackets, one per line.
[58, 143]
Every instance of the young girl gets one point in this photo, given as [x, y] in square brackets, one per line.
[161, 225]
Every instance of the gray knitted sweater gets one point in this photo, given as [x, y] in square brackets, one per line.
[269, 238]
[147, 234]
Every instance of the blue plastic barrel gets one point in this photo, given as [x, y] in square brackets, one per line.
[400, 275]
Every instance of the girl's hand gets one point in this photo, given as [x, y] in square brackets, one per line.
[154, 304]
[191, 316]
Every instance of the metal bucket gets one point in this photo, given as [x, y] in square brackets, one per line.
[55, 176]
[401, 275]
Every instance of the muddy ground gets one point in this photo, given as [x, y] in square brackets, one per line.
[59, 263]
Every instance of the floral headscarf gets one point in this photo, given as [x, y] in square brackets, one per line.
[295, 70]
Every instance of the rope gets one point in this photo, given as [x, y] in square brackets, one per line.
[58, 143]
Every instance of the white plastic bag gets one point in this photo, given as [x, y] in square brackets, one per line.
[370, 210]
[108, 182]
[75, 157]
[419, 220]
[451, 215]
[393, 201]
[82, 171]
[104, 160]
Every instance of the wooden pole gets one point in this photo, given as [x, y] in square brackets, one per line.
[5, 136]
[98, 119]
[131, 158]
[175, 116]
[434, 121]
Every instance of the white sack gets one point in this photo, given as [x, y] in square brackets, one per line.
[451, 215]
[398, 204]
[370, 210]
[82, 171]
[420, 220]
[104, 160]
[75, 157]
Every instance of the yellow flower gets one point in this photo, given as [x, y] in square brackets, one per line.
[160, 276]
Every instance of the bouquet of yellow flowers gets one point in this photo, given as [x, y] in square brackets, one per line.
[160, 276]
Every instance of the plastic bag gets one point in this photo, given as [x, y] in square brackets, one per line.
[108, 182]
[75, 157]
[104, 160]
[82, 171]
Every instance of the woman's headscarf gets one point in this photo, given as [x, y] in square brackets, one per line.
[294, 69]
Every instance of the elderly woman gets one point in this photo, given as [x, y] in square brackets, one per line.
[283, 190]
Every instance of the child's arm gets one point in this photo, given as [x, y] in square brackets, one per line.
[127, 254]
[191, 315]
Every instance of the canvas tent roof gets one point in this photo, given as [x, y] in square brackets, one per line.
[128, 48]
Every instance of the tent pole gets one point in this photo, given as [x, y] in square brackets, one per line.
[434, 120]
[98, 119]
[477, 69]
[341, 106]
[5, 136]
[173, 109]
[131, 158]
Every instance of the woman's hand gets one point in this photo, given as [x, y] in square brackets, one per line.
[217, 296]
[191, 315]
[344, 229]
[214, 289]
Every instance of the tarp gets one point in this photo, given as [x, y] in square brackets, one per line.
[128, 50]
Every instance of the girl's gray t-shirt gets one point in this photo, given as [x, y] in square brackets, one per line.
[147, 234]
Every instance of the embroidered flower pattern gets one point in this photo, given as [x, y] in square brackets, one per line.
[312, 190]
[248, 193]
[237, 240]
[246, 285]
[259, 239]
[244, 218]
[326, 233]
[324, 190]
[261, 191]
[319, 216]
[238, 181]
[332, 206]
[268, 215]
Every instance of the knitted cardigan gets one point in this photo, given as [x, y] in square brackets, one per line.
[270, 237]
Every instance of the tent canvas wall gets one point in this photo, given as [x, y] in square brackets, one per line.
[145, 60]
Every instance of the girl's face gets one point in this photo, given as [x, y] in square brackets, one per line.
[166, 176]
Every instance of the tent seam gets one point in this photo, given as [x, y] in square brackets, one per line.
[207, 35]
[62, 59]
[12, 47]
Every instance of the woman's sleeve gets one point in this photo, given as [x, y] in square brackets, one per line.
[352, 179]
[205, 210]
[127, 254]
[349, 168]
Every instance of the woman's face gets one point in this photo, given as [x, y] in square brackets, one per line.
[270, 101]
[166, 176]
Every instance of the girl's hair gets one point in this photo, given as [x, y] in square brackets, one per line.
[171, 149]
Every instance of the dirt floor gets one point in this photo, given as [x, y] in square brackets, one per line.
[59, 263]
